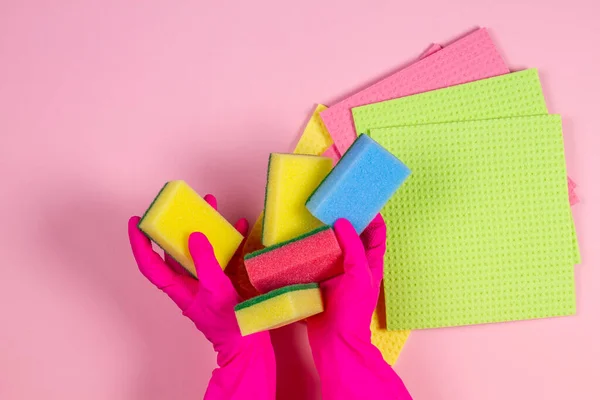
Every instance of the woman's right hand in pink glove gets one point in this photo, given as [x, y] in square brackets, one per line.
[350, 366]
[247, 364]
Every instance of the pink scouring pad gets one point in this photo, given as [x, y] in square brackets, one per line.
[313, 257]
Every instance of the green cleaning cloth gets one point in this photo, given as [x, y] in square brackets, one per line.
[482, 229]
[511, 95]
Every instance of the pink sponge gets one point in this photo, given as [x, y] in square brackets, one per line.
[312, 257]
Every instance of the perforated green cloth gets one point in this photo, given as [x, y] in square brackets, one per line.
[510, 95]
[482, 230]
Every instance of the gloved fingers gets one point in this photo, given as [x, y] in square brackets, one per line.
[212, 200]
[242, 226]
[236, 271]
[373, 239]
[149, 262]
[155, 269]
[356, 267]
[210, 274]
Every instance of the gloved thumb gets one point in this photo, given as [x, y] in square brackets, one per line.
[356, 267]
[373, 238]
[210, 274]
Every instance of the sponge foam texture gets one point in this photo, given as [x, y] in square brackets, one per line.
[291, 179]
[359, 185]
[178, 211]
[313, 257]
[279, 308]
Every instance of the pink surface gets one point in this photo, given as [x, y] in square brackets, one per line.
[468, 59]
[102, 102]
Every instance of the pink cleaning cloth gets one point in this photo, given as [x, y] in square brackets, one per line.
[332, 153]
[434, 48]
[470, 58]
[573, 198]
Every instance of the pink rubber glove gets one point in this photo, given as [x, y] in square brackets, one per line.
[246, 364]
[350, 366]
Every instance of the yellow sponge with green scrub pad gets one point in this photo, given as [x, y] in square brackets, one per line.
[178, 211]
[278, 308]
[291, 180]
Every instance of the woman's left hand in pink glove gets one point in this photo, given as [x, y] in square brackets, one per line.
[246, 364]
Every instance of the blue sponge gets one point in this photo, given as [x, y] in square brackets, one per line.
[359, 185]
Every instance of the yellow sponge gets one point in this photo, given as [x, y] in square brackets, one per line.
[389, 343]
[291, 180]
[315, 139]
[279, 308]
[178, 211]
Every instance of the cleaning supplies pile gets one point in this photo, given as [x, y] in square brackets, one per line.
[480, 232]
[303, 193]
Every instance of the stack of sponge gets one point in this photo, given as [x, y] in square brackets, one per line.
[304, 196]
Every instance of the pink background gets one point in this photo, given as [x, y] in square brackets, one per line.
[103, 101]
